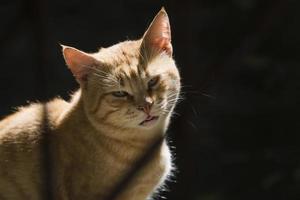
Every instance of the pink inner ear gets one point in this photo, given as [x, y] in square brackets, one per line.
[158, 35]
[163, 44]
[79, 62]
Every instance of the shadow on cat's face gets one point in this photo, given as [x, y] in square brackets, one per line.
[126, 91]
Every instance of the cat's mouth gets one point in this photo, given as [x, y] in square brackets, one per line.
[149, 120]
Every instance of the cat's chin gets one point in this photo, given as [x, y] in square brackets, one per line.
[149, 121]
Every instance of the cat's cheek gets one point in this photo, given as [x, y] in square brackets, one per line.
[174, 83]
[123, 116]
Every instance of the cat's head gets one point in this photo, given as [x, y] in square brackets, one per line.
[133, 84]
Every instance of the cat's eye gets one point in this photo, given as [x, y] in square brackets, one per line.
[152, 82]
[120, 94]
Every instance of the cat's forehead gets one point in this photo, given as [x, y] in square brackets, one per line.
[123, 59]
[125, 62]
[122, 54]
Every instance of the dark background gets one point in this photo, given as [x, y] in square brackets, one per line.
[237, 132]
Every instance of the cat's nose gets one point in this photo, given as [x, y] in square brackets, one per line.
[146, 106]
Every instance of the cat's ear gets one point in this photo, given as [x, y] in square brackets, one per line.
[157, 38]
[79, 62]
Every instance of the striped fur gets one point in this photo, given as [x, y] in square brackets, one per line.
[95, 138]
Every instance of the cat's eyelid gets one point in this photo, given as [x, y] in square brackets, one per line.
[157, 76]
[153, 81]
[119, 89]
[120, 93]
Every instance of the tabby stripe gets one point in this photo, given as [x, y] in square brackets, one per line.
[113, 152]
[99, 101]
[127, 143]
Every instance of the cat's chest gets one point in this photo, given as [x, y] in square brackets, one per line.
[101, 171]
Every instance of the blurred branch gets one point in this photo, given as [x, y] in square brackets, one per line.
[138, 165]
[47, 173]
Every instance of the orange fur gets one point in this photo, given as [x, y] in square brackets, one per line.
[96, 138]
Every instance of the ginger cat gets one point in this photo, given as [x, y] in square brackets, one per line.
[126, 97]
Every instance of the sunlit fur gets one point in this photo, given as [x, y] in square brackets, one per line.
[93, 140]
[124, 68]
